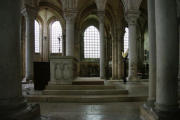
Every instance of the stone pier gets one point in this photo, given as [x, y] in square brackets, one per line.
[12, 105]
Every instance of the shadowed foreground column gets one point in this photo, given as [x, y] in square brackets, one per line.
[12, 105]
[167, 55]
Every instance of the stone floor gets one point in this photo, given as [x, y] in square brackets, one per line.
[94, 111]
[97, 111]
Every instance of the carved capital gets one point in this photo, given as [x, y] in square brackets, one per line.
[101, 16]
[131, 4]
[101, 4]
[70, 15]
[132, 16]
[29, 12]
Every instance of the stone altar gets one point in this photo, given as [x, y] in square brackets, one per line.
[63, 69]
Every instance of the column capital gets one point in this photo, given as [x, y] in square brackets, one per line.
[101, 4]
[101, 16]
[70, 15]
[132, 16]
[29, 11]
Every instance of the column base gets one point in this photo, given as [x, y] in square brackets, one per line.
[132, 78]
[102, 77]
[29, 77]
[150, 104]
[151, 114]
[18, 109]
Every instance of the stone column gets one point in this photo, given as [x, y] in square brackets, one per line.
[152, 52]
[120, 59]
[178, 14]
[102, 44]
[131, 18]
[167, 56]
[64, 45]
[179, 50]
[70, 21]
[29, 14]
[113, 58]
[12, 105]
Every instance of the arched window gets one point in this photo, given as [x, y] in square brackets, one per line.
[37, 36]
[56, 37]
[91, 43]
[126, 39]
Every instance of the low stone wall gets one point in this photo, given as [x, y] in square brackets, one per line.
[89, 69]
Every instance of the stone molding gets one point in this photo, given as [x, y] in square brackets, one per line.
[11, 103]
[18, 109]
[165, 107]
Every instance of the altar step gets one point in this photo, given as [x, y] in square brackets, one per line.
[79, 87]
[85, 98]
[88, 82]
[85, 92]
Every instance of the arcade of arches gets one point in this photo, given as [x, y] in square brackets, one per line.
[90, 51]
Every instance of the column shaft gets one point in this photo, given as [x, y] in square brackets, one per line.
[64, 45]
[132, 48]
[120, 74]
[102, 51]
[10, 86]
[12, 105]
[113, 59]
[167, 55]
[152, 52]
[69, 37]
[116, 58]
[179, 50]
[45, 43]
[29, 47]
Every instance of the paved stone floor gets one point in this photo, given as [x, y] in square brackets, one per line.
[94, 111]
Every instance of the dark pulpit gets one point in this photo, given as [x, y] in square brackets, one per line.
[41, 75]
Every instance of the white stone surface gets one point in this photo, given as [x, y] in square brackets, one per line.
[63, 70]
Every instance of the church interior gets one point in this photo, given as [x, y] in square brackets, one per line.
[90, 60]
